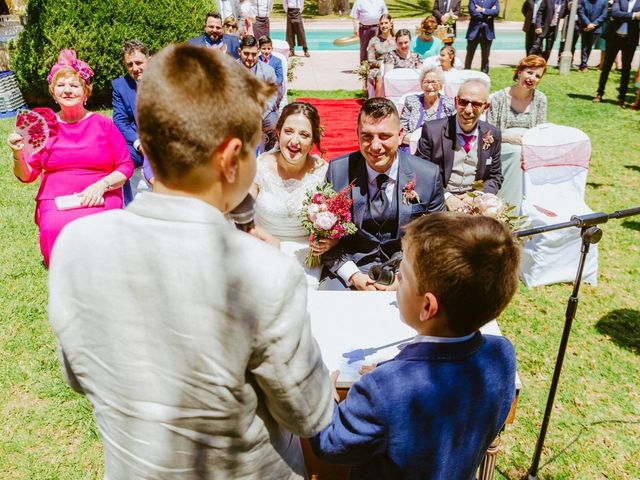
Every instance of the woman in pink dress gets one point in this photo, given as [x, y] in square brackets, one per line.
[84, 155]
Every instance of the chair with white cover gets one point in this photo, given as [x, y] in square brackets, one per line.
[400, 81]
[285, 85]
[455, 78]
[555, 162]
[281, 47]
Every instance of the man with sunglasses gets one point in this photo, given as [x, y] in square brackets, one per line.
[464, 147]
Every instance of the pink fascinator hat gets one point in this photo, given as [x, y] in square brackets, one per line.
[69, 59]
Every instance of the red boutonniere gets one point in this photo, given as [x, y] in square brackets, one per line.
[487, 140]
[409, 194]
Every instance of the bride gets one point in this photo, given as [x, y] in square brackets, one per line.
[283, 177]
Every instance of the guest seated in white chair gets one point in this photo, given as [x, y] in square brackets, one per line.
[378, 48]
[402, 56]
[514, 110]
[283, 178]
[447, 59]
[429, 105]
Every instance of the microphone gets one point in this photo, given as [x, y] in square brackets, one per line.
[242, 215]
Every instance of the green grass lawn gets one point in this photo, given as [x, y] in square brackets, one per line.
[47, 430]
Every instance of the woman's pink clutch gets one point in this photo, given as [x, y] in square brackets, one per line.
[34, 130]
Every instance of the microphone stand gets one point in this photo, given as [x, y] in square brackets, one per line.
[590, 234]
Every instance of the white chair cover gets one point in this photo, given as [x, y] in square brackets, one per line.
[285, 85]
[400, 81]
[455, 78]
[555, 161]
[281, 47]
[435, 62]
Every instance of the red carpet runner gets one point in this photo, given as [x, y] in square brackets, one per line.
[339, 119]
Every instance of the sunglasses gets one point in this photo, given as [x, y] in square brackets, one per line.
[475, 105]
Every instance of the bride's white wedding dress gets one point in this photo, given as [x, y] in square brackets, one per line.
[277, 207]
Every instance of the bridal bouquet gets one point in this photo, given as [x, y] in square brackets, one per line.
[326, 213]
[476, 202]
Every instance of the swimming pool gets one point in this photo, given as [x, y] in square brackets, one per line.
[323, 40]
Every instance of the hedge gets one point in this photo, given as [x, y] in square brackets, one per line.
[96, 30]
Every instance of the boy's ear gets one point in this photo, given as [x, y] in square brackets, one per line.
[227, 154]
[430, 307]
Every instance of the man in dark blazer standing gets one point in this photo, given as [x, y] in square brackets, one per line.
[481, 31]
[135, 56]
[547, 21]
[390, 188]
[215, 38]
[530, 10]
[443, 8]
[465, 148]
[621, 34]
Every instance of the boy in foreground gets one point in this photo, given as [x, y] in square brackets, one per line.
[432, 411]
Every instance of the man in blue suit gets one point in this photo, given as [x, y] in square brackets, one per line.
[621, 34]
[135, 56]
[481, 30]
[591, 16]
[215, 38]
[390, 188]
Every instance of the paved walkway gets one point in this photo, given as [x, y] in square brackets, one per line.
[333, 70]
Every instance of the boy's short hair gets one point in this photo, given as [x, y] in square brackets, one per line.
[189, 102]
[470, 263]
[263, 40]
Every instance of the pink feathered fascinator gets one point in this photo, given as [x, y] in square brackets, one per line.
[69, 59]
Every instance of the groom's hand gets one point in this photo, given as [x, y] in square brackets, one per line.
[362, 282]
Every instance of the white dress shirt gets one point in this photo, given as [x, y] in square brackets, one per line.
[347, 270]
[262, 7]
[368, 12]
[287, 4]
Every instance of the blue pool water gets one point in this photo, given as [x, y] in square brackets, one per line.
[323, 40]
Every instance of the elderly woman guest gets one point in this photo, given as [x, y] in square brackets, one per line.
[283, 178]
[85, 154]
[402, 56]
[427, 44]
[429, 105]
[378, 48]
[514, 110]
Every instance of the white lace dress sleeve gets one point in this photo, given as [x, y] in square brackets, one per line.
[278, 205]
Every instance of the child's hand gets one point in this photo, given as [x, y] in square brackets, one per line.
[334, 380]
[367, 368]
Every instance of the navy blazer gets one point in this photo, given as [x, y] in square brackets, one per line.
[430, 413]
[123, 101]
[276, 64]
[619, 15]
[592, 11]
[546, 12]
[352, 168]
[230, 41]
[482, 21]
[438, 142]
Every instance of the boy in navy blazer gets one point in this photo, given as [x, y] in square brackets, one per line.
[433, 410]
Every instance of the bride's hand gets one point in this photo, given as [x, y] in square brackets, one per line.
[323, 246]
[265, 236]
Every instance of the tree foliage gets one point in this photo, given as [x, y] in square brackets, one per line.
[96, 30]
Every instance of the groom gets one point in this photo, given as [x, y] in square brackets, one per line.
[390, 188]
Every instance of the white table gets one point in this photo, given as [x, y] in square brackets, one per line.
[344, 322]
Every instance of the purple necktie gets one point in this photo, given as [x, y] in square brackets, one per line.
[467, 139]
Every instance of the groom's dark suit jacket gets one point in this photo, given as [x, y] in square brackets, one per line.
[438, 142]
[364, 247]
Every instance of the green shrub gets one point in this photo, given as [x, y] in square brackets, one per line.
[96, 30]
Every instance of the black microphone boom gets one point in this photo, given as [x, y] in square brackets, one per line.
[590, 234]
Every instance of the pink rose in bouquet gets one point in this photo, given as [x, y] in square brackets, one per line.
[326, 213]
